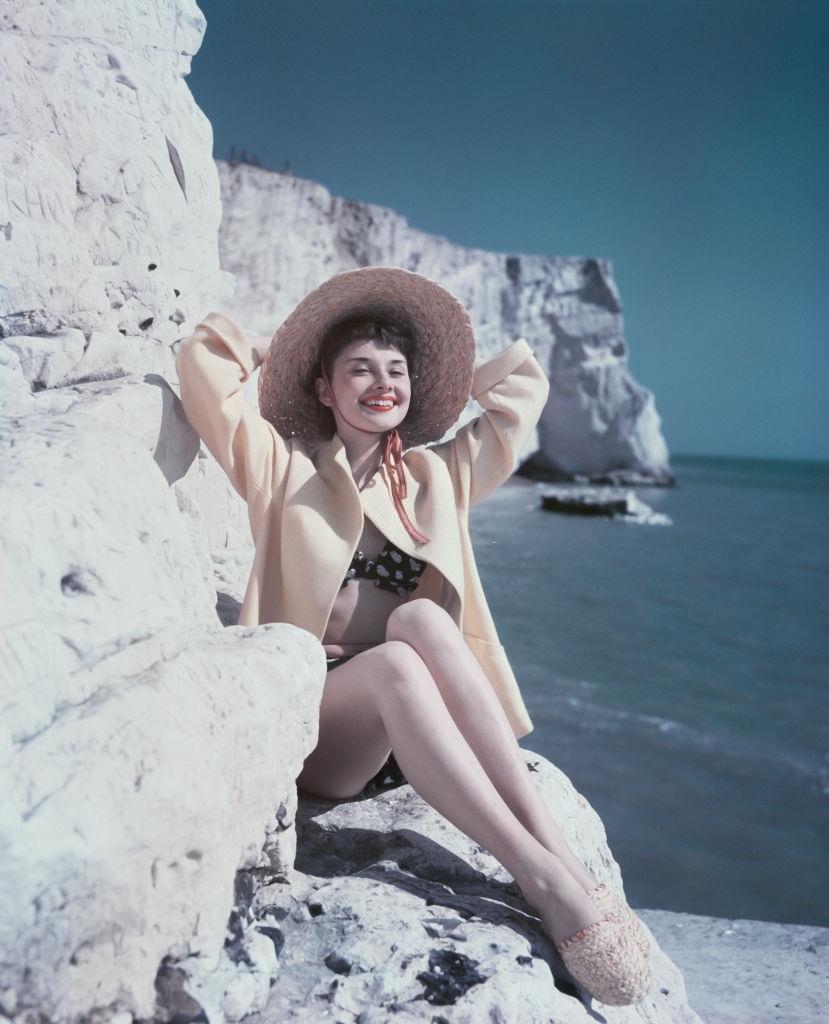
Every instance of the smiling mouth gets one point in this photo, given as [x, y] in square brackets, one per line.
[380, 405]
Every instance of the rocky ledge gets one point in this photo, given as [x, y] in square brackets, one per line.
[393, 913]
[747, 972]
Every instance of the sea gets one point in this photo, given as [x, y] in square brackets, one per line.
[678, 675]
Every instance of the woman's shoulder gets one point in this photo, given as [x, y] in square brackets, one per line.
[426, 455]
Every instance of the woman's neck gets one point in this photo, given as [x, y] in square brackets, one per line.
[365, 456]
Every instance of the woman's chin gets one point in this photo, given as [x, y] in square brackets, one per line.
[381, 422]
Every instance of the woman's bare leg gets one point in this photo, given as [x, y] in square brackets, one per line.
[391, 684]
[352, 742]
[478, 714]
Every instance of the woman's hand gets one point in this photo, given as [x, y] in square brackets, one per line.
[260, 346]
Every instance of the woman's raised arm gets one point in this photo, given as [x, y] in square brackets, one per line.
[212, 365]
[512, 388]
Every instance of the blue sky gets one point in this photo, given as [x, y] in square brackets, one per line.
[685, 140]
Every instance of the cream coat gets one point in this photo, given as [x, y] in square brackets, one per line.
[306, 512]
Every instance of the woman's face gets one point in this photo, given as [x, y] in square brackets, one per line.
[371, 386]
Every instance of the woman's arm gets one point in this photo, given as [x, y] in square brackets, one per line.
[212, 364]
[512, 388]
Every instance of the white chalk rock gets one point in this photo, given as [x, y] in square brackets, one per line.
[395, 913]
[110, 194]
[46, 361]
[145, 752]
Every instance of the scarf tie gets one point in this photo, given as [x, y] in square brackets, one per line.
[393, 458]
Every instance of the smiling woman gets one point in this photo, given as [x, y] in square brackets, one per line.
[364, 385]
[364, 380]
[374, 371]
[429, 681]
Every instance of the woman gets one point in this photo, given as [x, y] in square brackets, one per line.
[369, 360]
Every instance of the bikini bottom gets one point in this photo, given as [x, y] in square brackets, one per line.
[390, 774]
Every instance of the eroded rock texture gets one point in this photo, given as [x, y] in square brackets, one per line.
[393, 914]
[146, 753]
[109, 202]
[741, 971]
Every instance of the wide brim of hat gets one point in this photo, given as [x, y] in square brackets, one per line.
[444, 339]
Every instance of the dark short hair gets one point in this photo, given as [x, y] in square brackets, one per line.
[387, 331]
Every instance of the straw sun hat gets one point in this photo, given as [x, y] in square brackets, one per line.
[440, 372]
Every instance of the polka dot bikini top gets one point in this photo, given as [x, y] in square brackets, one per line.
[392, 570]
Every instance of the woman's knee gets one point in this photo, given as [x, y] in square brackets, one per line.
[402, 671]
[401, 662]
[371, 675]
[419, 616]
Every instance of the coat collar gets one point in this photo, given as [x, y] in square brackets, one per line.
[376, 500]
[333, 451]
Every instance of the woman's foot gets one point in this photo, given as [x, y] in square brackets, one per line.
[607, 962]
[609, 901]
[614, 906]
[559, 900]
[602, 953]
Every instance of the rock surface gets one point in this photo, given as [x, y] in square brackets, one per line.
[747, 972]
[281, 236]
[393, 913]
[146, 754]
[109, 197]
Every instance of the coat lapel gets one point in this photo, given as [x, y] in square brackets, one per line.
[377, 502]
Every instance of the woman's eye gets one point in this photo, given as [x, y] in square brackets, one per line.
[400, 373]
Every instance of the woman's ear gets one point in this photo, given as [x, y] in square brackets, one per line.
[323, 394]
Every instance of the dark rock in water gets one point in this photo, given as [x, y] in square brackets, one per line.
[612, 503]
[584, 504]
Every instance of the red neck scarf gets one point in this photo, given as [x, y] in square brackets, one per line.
[393, 458]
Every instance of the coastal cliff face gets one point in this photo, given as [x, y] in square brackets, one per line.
[282, 235]
[147, 755]
[109, 196]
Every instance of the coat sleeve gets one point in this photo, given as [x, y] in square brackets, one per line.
[212, 365]
[512, 388]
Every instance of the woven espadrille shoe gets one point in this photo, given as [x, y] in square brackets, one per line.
[607, 962]
[613, 905]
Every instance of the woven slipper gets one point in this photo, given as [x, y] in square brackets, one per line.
[607, 962]
[613, 905]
